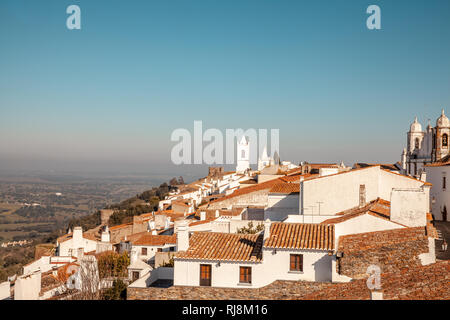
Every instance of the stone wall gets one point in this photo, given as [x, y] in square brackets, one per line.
[255, 198]
[392, 251]
[281, 290]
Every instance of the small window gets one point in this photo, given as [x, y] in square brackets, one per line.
[144, 251]
[245, 275]
[135, 275]
[445, 140]
[159, 249]
[444, 183]
[417, 143]
[296, 263]
[172, 249]
[243, 154]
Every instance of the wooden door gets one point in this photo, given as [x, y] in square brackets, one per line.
[205, 275]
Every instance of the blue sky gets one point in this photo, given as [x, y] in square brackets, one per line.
[109, 95]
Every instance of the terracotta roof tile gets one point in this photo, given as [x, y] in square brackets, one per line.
[285, 188]
[154, 240]
[223, 247]
[379, 208]
[250, 189]
[301, 236]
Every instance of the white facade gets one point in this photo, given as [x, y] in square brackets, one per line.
[275, 266]
[440, 191]
[28, 287]
[70, 247]
[5, 290]
[279, 206]
[243, 156]
[362, 224]
[321, 198]
[425, 147]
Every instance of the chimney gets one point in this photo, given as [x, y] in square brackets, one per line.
[77, 237]
[105, 235]
[202, 215]
[133, 255]
[376, 295]
[267, 229]
[362, 195]
[183, 237]
[217, 213]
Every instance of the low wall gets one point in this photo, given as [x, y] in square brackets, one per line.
[281, 290]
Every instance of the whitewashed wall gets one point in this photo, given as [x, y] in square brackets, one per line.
[316, 267]
[441, 196]
[5, 290]
[362, 224]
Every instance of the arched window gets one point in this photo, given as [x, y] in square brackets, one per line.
[417, 143]
[243, 154]
[445, 140]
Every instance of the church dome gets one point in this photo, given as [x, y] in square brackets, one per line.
[415, 126]
[443, 121]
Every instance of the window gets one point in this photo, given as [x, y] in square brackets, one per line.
[445, 140]
[417, 143]
[245, 275]
[444, 182]
[243, 154]
[144, 251]
[135, 275]
[296, 263]
[205, 275]
[159, 249]
[172, 249]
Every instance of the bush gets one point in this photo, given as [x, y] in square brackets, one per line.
[117, 292]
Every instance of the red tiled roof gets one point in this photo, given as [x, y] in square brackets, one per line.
[223, 247]
[379, 208]
[285, 188]
[250, 189]
[429, 282]
[154, 240]
[121, 226]
[301, 236]
[370, 240]
[69, 236]
[445, 161]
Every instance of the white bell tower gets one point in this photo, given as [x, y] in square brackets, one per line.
[243, 156]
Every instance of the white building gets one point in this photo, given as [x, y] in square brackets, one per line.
[243, 155]
[323, 197]
[255, 260]
[71, 243]
[437, 174]
[425, 147]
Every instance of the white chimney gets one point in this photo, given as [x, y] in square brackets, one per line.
[183, 237]
[217, 213]
[77, 237]
[105, 235]
[202, 215]
[267, 229]
[133, 255]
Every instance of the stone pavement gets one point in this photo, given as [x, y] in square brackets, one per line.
[443, 228]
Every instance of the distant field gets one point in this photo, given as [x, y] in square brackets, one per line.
[8, 208]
